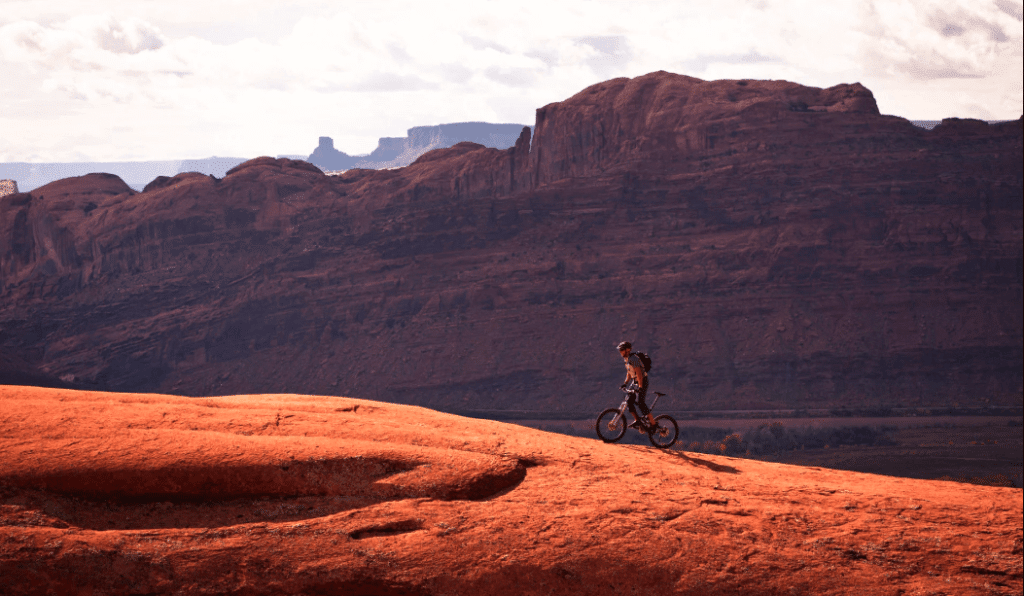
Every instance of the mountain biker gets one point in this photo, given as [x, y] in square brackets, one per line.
[635, 372]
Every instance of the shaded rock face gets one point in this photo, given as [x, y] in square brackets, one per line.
[39, 231]
[770, 245]
[295, 494]
[14, 370]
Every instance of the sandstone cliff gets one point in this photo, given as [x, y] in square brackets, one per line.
[291, 494]
[769, 244]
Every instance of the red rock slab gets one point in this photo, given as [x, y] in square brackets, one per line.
[583, 517]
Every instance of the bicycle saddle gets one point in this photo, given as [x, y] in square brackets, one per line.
[659, 394]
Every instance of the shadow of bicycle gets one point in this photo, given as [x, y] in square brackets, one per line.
[703, 463]
[693, 461]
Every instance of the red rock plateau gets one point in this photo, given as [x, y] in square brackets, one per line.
[770, 245]
[106, 493]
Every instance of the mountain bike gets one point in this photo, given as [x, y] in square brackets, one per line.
[611, 424]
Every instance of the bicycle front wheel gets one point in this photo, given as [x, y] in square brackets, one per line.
[610, 425]
[665, 435]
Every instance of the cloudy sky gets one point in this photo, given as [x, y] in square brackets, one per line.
[108, 80]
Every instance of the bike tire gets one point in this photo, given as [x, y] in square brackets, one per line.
[666, 434]
[608, 431]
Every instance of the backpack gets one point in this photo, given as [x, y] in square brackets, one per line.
[645, 359]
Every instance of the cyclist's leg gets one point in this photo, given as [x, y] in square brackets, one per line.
[631, 404]
[642, 402]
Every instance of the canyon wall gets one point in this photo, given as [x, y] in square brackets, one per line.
[770, 245]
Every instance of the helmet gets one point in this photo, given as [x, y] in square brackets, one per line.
[624, 346]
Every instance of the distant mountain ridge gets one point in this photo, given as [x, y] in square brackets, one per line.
[395, 152]
[135, 174]
[390, 152]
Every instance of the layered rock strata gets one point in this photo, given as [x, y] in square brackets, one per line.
[770, 245]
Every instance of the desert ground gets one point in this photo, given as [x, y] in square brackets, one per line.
[107, 493]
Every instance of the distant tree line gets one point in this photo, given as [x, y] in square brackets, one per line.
[772, 438]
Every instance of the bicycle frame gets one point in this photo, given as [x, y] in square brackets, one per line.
[624, 407]
[662, 431]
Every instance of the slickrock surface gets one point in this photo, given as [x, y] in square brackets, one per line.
[104, 493]
[770, 245]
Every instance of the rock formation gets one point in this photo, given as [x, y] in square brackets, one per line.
[770, 245]
[329, 159]
[8, 187]
[291, 494]
[393, 152]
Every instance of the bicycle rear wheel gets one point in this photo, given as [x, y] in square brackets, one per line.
[666, 434]
[609, 429]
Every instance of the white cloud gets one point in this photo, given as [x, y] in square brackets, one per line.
[146, 79]
[929, 39]
[127, 36]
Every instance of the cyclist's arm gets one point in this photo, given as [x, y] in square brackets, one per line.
[631, 373]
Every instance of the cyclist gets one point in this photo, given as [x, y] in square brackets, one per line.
[638, 394]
